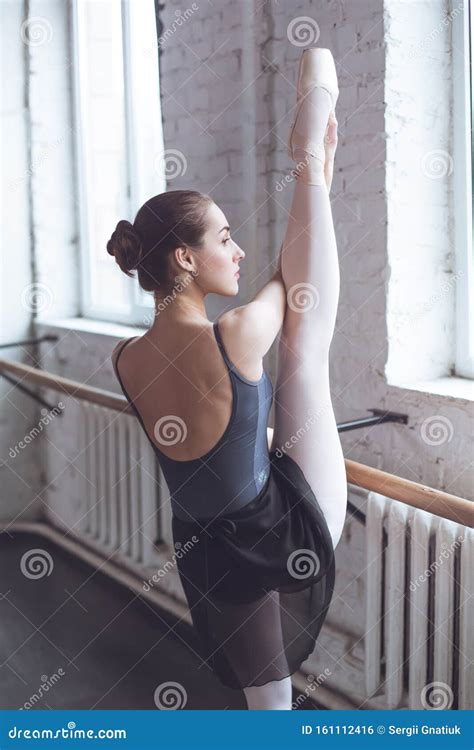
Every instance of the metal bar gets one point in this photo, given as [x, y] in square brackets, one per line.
[30, 393]
[356, 513]
[380, 416]
[28, 342]
[70, 387]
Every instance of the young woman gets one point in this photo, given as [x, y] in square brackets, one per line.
[256, 524]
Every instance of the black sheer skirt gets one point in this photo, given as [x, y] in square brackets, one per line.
[259, 582]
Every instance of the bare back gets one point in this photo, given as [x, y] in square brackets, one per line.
[183, 380]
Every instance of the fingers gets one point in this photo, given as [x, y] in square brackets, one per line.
[331, 136]
[332, 122]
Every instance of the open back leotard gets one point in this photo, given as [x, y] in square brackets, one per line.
[235, 470]
[257, 612]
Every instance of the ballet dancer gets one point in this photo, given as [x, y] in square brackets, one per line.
[201, 395]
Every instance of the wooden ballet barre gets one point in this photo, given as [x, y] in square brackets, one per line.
[411, 493]
[438, 502]
[65, 385]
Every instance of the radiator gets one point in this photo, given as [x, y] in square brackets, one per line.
[418, 653]
[124, 504]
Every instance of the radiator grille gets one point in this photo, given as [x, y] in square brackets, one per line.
[125, 506]
[418, 607]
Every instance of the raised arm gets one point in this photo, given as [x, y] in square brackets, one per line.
[252, 328]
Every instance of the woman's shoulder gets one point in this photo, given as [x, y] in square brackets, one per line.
[238, 340]
[121, 344]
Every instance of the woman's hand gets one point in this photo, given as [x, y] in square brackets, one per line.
[330, 146]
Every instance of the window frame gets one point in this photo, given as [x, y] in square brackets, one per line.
[462, 40]
[137, 312]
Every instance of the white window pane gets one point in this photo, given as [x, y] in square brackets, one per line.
[145, 115]
[120, 138]
[463, 192]
[103, 148]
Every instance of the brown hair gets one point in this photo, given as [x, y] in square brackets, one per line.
[165, 222]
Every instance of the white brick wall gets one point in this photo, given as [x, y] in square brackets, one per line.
[19, 476]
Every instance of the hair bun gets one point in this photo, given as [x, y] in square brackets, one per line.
[126, 245]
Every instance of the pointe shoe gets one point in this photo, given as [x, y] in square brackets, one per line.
[316, 68]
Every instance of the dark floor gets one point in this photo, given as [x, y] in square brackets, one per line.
[91, 642]
[114, 648]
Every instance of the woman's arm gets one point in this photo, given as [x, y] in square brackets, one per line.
[252, 328]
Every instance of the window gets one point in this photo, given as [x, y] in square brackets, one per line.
[119, 141]
[462, 37]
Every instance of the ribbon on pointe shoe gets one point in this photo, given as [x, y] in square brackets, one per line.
[306, 138]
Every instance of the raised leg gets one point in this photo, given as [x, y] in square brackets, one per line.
[305, 424]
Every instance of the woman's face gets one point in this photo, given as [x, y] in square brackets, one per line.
[217, 262]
